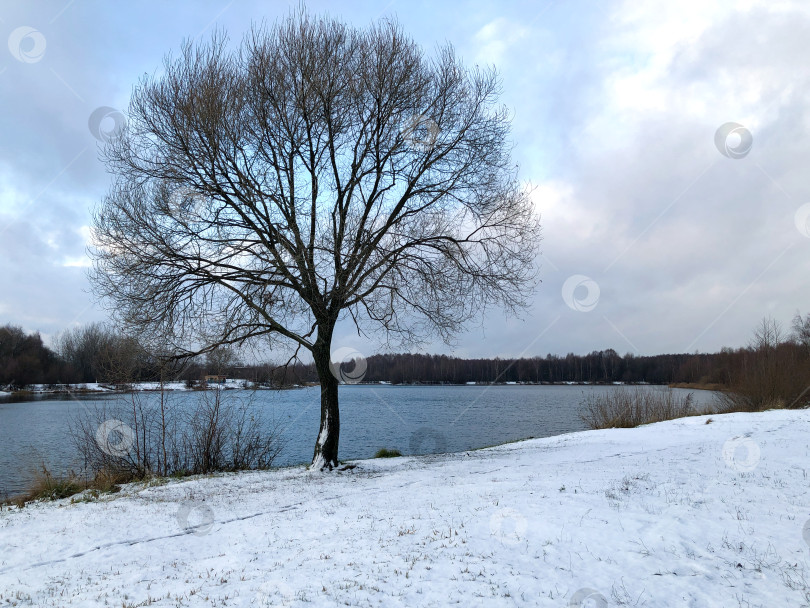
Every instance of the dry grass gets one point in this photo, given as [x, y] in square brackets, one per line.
[386, 453]
[631, 407]
[750, 398]
[47, 486]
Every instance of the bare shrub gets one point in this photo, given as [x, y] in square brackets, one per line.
[631, 407]
[223, 434]
[161, 435]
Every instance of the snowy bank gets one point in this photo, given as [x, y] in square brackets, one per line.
[679, 513]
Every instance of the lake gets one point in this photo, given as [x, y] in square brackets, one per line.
[411, 419]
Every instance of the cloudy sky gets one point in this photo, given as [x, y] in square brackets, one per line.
[664, 231]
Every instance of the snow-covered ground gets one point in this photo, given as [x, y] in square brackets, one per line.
[680, 513]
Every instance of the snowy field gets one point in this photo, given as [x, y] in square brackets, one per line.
[680, 513]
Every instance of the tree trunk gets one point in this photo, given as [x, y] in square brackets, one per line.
[326, 447]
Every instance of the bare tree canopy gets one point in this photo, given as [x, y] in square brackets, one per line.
[317, 172]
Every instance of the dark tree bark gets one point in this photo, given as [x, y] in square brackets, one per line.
[319, 173]
[326, 446]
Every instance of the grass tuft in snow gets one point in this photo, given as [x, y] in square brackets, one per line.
[48, 486]
[386, 453]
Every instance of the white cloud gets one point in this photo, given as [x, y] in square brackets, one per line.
[495, 39]
[79, 262]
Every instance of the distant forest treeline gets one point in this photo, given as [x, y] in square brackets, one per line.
[598, 366]
[96, 353]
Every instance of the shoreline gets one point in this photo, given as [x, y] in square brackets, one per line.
[240, 384]
[68, 390]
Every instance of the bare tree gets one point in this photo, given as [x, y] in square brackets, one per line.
[219, 360]
[768, 335]
[801, 330]
[318, 172]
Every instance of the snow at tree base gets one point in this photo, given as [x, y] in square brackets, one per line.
[680, 513]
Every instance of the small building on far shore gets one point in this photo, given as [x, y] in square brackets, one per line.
[215, 379]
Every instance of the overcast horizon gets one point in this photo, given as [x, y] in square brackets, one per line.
[663, 142]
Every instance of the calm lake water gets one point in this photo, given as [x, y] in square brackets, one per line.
[411, 419]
